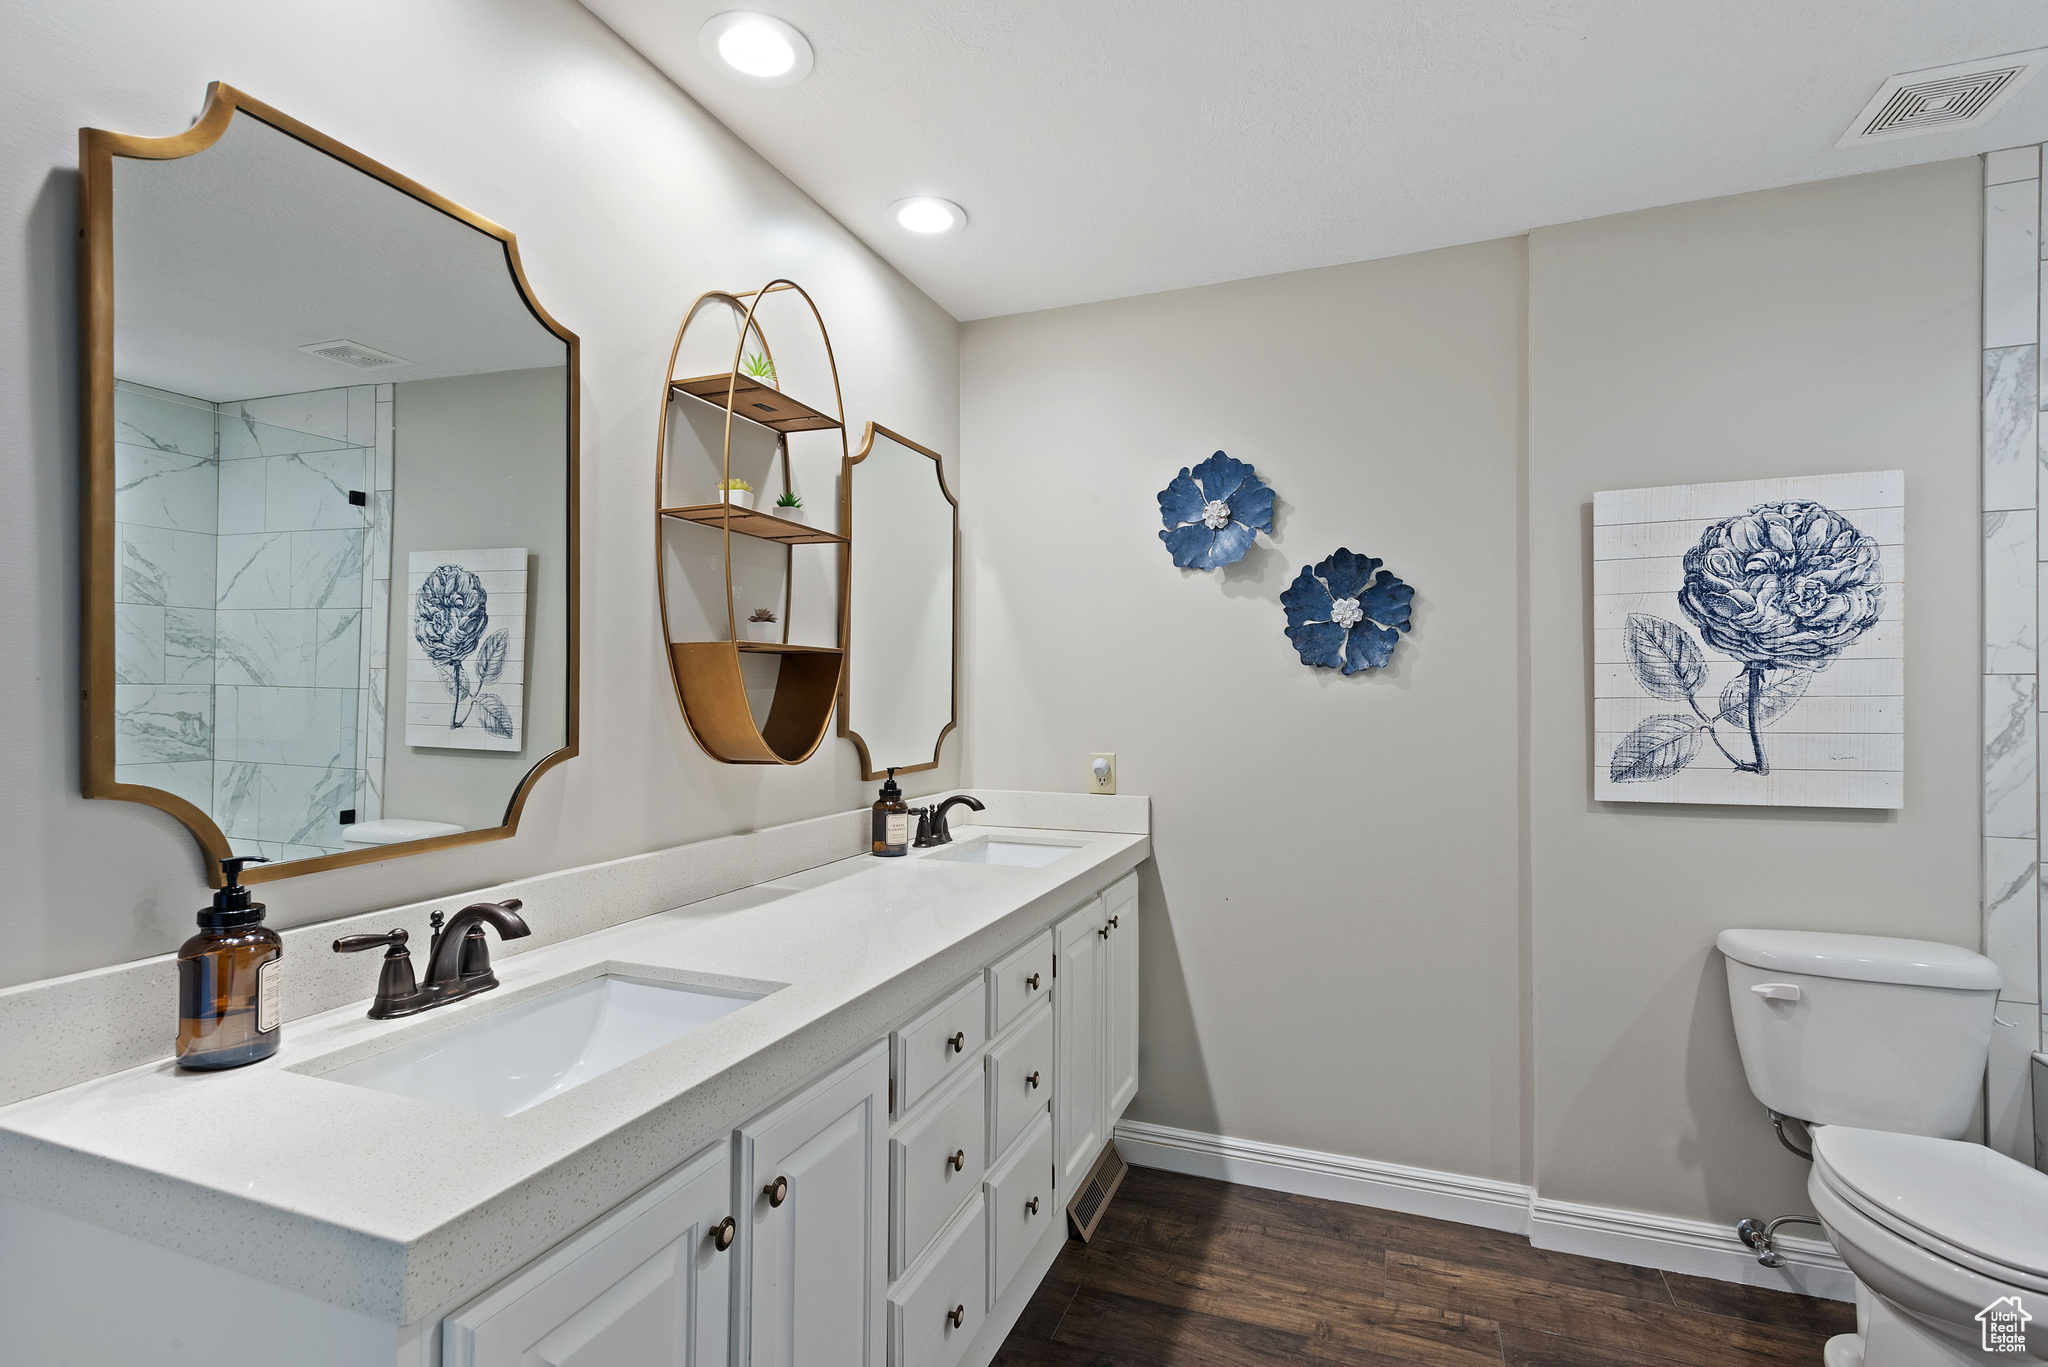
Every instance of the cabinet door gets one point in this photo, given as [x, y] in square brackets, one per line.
[812, 1175]
[1079, 998]
[646, 1287]
[1121, 1016]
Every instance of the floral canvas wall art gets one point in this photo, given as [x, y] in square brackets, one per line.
[1748, 644]
[465, 655]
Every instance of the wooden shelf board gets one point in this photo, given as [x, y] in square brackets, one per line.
[750, 522]
[777, 648]
[757, 403]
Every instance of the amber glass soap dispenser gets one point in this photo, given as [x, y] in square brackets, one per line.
[227, 980]
[891, 829]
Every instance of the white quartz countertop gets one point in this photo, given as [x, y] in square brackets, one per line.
[396, 1208]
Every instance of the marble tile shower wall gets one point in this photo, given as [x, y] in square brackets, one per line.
[2014, 771]
[262, 709]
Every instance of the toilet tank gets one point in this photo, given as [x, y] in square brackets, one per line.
[1860, 1030]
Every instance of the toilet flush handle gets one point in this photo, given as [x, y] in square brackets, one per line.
[1777, 992]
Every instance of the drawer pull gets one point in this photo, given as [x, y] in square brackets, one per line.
[1032, 982]
[958, 1315]
[958, 1043]
[723, 1233]
[1031, 1206]
[1033, 1081]
[777, 1191]
[958, 1159]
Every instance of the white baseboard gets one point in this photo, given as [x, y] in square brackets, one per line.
[1666, 1242]
[1333, 1176]
[1812, 1267]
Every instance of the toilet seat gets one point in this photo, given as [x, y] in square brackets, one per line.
[1959, 1201]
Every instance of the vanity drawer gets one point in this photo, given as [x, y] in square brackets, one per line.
[925, 1186]
[1019, 1079]
[1020, 1204]
[1024, 977]
[938, 1044]
[949, 1285]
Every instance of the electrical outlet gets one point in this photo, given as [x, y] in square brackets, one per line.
[1102, 773]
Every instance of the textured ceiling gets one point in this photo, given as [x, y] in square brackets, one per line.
[1114, 147]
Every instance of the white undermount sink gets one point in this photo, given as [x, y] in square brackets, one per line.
[1021, 854]
[509, 1060]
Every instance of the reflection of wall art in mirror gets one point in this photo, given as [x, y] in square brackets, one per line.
[1343, 615]
[300, 369]
[465, 675]
[1746, 642]
[901, 698]
[1212, 513]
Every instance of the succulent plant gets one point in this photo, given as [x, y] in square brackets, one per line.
[762, 615]
[789, 500]
[758, 367]
[738, 486]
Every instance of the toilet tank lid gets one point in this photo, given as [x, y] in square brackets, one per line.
[1864, 958]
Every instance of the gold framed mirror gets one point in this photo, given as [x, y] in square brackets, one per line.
[900, 692]
[329, 496]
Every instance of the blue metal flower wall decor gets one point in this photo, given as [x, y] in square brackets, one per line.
[1212, 512]
[1340, 615]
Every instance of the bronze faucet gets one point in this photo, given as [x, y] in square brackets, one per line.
[940, 834]
[458, 960]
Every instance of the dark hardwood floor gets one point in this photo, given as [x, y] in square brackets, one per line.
[1186, 1272]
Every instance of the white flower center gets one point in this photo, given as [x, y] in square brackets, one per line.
[1346, 613]
[1216, 514]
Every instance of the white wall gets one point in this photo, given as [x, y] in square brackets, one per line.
[1392, 921]
[1819, 329]
[1333, 962]
[628, 201]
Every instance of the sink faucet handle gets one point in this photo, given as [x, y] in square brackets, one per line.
[398, 992]
[394, 940]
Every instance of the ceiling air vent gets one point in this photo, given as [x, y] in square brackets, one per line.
[1941, 98]
[354, 354]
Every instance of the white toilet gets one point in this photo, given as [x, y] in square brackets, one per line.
[1880, 1045]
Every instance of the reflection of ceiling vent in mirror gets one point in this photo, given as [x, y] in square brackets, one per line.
[1941, 98]
[354, 354]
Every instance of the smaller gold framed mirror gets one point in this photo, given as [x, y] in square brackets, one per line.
[329, 495]
[901, 692]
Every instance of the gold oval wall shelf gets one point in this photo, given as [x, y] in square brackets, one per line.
[710, 684]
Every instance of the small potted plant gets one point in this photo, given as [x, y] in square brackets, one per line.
[762, 626]
[737, 492]
[790, 506]
[758, 368]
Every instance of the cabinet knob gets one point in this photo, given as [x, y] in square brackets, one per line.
[1103, 931]
[1112, 923]
[958, 1159]
[1031, 1206]
[958, 1043]
[724, 1232]
[1032, 1081]
[958, 1315]
[777, 1191]
[1032, 982]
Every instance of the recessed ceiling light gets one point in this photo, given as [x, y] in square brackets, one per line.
[924, 214]
[757, 48]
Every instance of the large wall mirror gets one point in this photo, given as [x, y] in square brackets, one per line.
[330, 499]
[900, 695]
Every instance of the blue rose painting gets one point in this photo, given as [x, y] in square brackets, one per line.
[1346, 613]
[1213, 513]
[1781, 590]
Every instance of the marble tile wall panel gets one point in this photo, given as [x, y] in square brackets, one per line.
[188, 645]
[157, 488]
[2012, 260]
[255, 570]
[2012, 916]
[312, 727]
[138, 643]
[189, 779]
[285, 424]
[327, 569]
[164, 421]
[299, 805]
[162, 723]
[2015, 392]
[362, 414]
[2010, 764]
[167, 567]
[235, 797]
[310, 492]
[266, 647]
[2010, 572]
[337, 647]
[242, 496]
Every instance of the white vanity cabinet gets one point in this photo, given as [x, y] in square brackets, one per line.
[811, 1174]
[1120, 983]
[1080, 1105]
[647, 1286]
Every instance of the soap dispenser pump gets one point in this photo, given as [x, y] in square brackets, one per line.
[891, 825]
[228, 1008]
